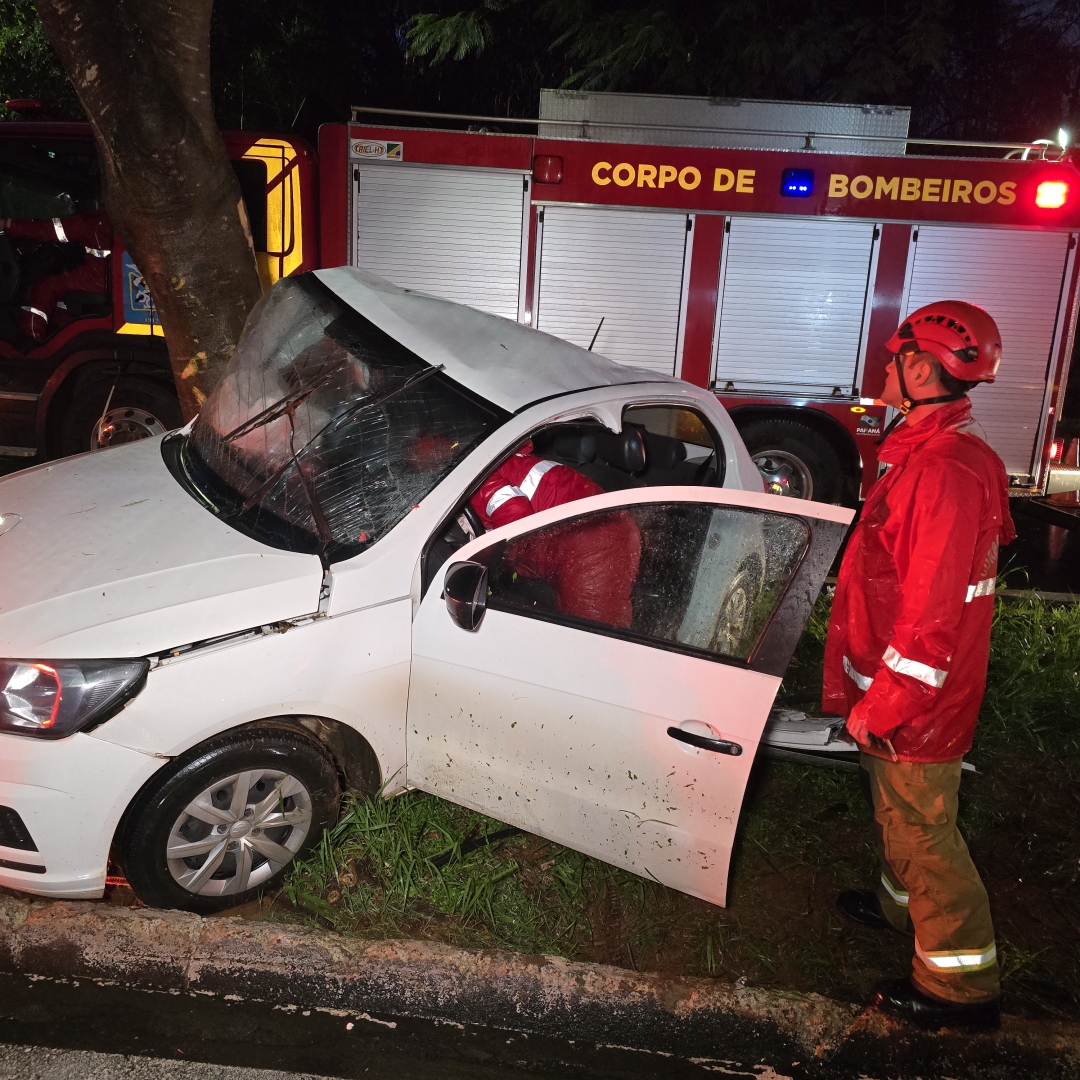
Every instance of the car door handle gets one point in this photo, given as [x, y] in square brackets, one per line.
[718, 746]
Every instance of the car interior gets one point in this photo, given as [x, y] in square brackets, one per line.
[660, 445]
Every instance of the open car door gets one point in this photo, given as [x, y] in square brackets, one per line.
[600, 673]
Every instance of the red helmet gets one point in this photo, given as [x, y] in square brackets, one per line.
[962, 336]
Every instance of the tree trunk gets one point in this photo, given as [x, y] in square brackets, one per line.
[141, 69]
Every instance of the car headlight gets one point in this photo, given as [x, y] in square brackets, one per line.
[51, 699]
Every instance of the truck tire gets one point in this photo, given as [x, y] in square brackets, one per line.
[795, 460]
[139, 408]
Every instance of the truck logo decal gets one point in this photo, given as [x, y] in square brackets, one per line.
[387, 151]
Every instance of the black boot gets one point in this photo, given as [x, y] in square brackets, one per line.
[862, 906]
[900, 998]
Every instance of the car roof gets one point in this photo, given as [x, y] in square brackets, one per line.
[502, 361]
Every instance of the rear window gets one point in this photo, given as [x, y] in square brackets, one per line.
[325, 431]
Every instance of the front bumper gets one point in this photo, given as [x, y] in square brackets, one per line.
[70, 795]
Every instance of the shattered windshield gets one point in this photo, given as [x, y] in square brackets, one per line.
[325, 431]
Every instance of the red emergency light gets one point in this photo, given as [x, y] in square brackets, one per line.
[1051, 194]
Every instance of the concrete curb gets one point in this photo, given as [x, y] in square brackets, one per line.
[295, 965]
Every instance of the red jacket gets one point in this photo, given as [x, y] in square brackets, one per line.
[592, 564]
[909, 635]
[525, 484]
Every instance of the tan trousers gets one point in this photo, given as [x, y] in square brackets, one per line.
[927, 877]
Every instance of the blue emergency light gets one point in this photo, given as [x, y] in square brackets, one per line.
[797, 183]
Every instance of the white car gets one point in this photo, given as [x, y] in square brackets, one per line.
[209, 635]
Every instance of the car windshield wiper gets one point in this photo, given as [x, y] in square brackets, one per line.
[378, 399]
[371, 402]
[287, 404]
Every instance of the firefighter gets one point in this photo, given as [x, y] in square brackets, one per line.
[592, 564]
[46, 309]
[906, 659]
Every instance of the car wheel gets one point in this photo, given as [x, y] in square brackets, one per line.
[228, 819]
[138, 408]
[795, 460]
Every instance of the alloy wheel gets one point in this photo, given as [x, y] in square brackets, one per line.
[785, 474]
[125, 425]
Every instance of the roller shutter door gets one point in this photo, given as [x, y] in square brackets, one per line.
[454, 233]
[1017, 276]
[622, 266]
[791, 313]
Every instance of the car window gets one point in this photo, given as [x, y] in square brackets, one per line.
[680, 447]
[325, 431]
[687, 576]
[48, 178]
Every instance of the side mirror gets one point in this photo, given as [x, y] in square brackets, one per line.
[465, 591]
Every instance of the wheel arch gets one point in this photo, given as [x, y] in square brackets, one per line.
[85, 364]
[352, 755]
[841, 440]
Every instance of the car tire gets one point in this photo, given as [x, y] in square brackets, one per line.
[139, 408]
[196, 804]
[795, 459]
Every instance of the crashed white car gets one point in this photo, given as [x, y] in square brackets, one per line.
[207, 636]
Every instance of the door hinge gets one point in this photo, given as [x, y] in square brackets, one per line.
[540, 215]
[727, 225]
[877, 232]
[524, 183]
[356, 174]
[689, 222]
[1072, 241]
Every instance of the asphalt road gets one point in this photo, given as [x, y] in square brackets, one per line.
[56, 1030]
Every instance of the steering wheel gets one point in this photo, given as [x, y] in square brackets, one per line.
[473, 518]
[10, 273]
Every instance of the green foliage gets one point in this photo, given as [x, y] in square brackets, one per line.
[29, 67]
[1033, 683]
[375, 874]
[464, 33]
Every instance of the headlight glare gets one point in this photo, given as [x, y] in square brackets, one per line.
[51, 699]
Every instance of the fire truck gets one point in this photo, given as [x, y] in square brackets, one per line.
[771, 274]
[102, 375]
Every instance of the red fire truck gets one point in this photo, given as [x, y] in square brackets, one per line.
[772, 276]
[102, 375]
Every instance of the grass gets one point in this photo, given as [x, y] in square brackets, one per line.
[805, 833]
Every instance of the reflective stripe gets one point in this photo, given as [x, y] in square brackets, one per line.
[931, 676]
[534, 476]
[962, 959]
[899, 897]
[861, 681]
[503, 495]
[983, 588]
[58, 228]
[35, 311]
[99, 252]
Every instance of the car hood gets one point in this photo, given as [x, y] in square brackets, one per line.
[110, 557]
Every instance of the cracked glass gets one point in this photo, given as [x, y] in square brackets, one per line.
[325, 431]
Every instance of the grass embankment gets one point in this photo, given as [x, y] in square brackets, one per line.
[805, 833]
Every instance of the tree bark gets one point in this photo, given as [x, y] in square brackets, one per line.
[141, 69]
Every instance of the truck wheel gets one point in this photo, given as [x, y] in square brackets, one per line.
[228, 819]
[138, 409]
[795, 460]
